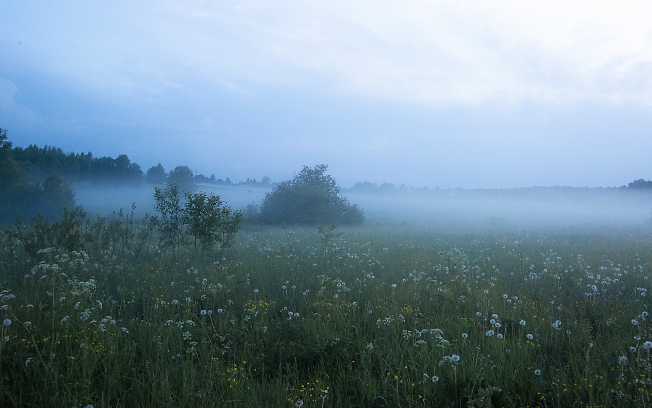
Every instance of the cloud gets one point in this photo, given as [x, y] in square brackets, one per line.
[462, 53]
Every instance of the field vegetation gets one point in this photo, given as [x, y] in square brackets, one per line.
[96, 312]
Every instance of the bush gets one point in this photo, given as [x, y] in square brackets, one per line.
[311, 198]
[203, 219]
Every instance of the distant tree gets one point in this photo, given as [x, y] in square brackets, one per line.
[156, 175]
[311, 198]
[640, 184]
[56, 196]
[183, 177]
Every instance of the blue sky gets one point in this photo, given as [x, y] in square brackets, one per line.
[470, 94]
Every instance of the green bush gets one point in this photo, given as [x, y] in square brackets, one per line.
[311, 198]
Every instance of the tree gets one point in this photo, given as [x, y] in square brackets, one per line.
[209, 221]
[156, 174]
[182, 176]
[311, 198]
[203, 217]
[168, 205]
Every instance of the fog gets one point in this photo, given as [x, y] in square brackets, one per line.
[528, 208]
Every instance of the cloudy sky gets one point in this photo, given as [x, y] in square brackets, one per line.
[470, 94]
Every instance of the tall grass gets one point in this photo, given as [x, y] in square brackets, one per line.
[366, 316]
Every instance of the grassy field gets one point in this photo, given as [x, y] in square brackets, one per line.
[376, 316]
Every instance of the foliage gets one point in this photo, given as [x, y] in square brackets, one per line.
[311, 198]
[182, 175]
[203, 218]
[640, 184]
[22, 196]
[156, 174]
[396, 317]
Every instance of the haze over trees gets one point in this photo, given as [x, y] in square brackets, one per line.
[311, 198]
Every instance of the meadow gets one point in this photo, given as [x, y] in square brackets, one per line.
[96, 314]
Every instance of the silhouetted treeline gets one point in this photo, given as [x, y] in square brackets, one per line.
[24, 195]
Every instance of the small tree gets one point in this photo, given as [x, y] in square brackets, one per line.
[209, 222]
[311, 198]
[168, 205]
[203, 218]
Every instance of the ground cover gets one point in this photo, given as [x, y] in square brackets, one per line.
[95, 313]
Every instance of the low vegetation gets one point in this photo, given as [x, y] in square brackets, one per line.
[97, 313]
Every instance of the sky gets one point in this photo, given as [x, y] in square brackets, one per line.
[465, 94]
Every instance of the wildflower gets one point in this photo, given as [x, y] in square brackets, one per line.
[478, 314]
[622, 360]
[499, 336]
[537, 372]
[370, 346]
[505, 296]
[489, 333]
[635, 322]
[6, 322]
[124, 330]
[210, 312]
[219, 310]
[529, 336]
[495, 316]
[202, 312]
[632, 349]
[497, 325]
[256, 291]
[455, 358]
[435, 378]
[465, 336]
[647, 345]
[298, 404]
[521, 322]
[393, 285]
[637, 338]
[175, 302]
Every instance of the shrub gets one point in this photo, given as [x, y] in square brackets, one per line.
[311, 198]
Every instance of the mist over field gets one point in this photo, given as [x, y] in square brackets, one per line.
[527, 208]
